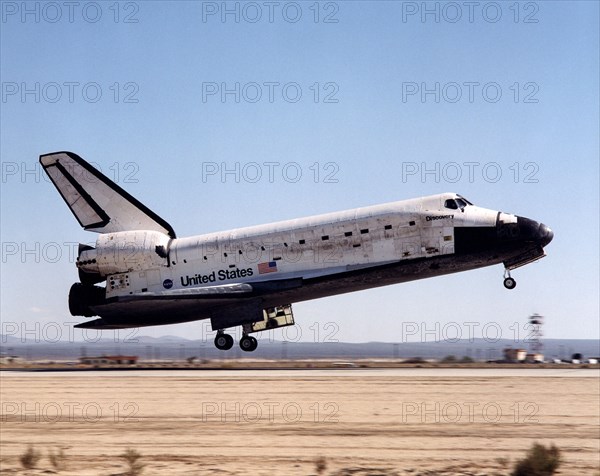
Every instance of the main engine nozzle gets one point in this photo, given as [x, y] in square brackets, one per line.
[82, 297]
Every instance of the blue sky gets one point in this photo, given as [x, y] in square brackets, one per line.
[135, 87]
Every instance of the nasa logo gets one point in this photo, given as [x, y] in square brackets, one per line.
[167, 284]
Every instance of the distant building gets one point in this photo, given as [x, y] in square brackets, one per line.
[515, 355]
[6, 359]
[110, 360]
[536, 358]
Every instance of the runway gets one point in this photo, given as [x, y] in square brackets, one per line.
[234, 422]
[320, 372]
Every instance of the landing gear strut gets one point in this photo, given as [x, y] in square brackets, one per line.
[223, 341]
[509, 283]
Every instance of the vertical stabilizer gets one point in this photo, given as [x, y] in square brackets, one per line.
[98, 203]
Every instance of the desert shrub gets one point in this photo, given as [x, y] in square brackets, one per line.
[30, 458]
[320, 465]
[131, 457]
[58, 459]
[413, 360]
[539, 461]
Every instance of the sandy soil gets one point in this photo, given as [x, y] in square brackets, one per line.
[279, 423]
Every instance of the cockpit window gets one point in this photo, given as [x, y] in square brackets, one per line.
[451, 204]
[458, 203]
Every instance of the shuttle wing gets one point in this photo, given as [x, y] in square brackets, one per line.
[97, 202]
[235, 302]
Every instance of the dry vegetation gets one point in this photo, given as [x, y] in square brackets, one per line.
[364, 433]
[30, 458]
[540, 461]
[134, 465]
[58, 459]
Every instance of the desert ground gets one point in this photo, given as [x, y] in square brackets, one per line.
[279, 422]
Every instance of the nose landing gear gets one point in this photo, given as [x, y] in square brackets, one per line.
[509, 283]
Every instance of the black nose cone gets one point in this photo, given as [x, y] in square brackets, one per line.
[531, 230]
[545, 234]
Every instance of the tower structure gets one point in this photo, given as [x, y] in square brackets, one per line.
[536, 321]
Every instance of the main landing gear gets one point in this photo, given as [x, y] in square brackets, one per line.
[225, 342]
[509, 283]
[248, 343]
[273, 318]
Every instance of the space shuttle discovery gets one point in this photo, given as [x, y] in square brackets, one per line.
[251, 276]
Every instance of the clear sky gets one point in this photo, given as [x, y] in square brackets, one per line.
[191, 105]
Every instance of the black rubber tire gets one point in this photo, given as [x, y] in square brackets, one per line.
[248, 344]
[223, 341]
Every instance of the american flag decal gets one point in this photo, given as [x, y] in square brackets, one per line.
[268, 267]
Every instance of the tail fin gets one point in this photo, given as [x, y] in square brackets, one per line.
[97, 202]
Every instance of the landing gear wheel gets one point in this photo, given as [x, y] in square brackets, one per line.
[509, 283]
[248, 343]
[223, 341]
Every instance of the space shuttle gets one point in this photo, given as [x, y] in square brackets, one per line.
[139, 273]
